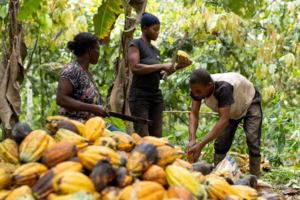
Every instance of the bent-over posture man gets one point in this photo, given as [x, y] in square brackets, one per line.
[235, 99]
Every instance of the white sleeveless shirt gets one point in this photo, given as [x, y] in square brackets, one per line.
[243, 94]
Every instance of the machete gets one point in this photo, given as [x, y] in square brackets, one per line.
[175, 56]
[131, 118]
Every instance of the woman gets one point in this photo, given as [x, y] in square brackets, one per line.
[77, 92]
[145, 97]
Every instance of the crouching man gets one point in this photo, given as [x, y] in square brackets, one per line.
[235, 99]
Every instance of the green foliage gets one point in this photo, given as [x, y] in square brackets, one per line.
[283, 175]
[119, 123]
[54, 109]
[244, 8]
[28, 8]
[107, 14]
[3, 2]
[3, 10]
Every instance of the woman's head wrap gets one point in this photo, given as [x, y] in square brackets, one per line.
[149, 20]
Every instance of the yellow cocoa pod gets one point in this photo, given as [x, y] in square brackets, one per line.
[51, 196]
[5, 179]
[181, 54]
[124, 142]
[97, 196]
[178, 176]
[93, 128]
[146, 190]
[43, 187]
[80, 142]
[67, 166]
[158, 142]
[9, 151]
[33, 146]
[239, 161]
[218, 188]
[156, 174]
[8, 166]
[245, 192]
[56, 118]
[23, 190]
[68, 124]
[199, 176]
[184, 164]
[165, 155]
[223, 173]
[107, 142]
[72, 182]
[64, 133]
[28, 174]
[141, 158]
[180, 154]
[90, 155]
[76, 196]
[4, 193]
[190, 155]
[110, 193]
[51, 141]
[179, 192]
[136, 137]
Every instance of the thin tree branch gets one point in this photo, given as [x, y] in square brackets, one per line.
[263, 10]
[31, 56]
[32, 81]
[53, 40]
[212, 2]
[187, 112]
[182, 120]
[259, 26]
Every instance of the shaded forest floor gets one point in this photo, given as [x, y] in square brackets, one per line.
[284, 182]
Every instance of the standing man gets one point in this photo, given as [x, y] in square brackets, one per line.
[235, 99]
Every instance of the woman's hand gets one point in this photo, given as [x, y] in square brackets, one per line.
[184, 62]
[168, 67]
[100, 111]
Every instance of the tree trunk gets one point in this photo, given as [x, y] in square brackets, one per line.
[42, 77]
[118, 97]
[29, 112]
[12, 71]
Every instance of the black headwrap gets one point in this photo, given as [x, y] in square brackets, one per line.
[149, 20]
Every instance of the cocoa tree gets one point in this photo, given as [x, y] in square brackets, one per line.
[14, 51]
[118, 94]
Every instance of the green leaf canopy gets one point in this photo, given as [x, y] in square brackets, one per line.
[105, 19]
[28, 8]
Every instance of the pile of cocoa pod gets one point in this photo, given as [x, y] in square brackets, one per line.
[77, 161]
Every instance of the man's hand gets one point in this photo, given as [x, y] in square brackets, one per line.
[196, 150]
[190, 145]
